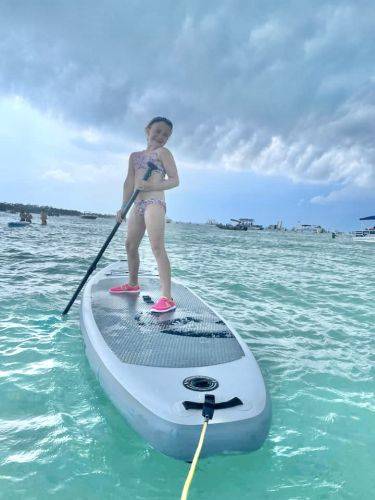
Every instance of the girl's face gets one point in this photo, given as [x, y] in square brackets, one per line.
[158, 134]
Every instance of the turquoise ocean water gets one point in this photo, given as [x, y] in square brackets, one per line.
[305, 306]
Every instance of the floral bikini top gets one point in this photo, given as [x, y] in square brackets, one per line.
[141, 158]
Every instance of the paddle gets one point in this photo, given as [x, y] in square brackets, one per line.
[125, 209]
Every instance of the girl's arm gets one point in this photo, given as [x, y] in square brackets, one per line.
[170, 169]
[155, 184]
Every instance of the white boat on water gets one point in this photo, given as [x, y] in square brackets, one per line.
[309, 229]
[249, 224]
[367, 234]
[88, 215]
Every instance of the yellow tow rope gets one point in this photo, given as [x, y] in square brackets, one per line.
[193, 465]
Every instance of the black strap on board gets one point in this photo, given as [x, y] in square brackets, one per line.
[193, 405]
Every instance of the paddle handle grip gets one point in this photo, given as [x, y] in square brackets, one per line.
[126, 206]
[124, 211]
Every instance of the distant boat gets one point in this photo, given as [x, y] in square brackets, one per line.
[19, 223]
[365, 235]
[168, 221]
[242, 225]
[231, 227]
[276, 227]
[87, 215]
[249, 223]
[309, 229]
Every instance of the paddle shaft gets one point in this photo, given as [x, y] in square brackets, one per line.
[125, 209]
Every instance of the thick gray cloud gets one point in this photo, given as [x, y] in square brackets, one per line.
[282, 88]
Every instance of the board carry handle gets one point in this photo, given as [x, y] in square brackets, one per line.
[193, 405]
[124, 210]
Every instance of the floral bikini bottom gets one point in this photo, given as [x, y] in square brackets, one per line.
[141, 205]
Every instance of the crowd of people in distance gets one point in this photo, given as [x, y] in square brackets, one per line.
[27, 217]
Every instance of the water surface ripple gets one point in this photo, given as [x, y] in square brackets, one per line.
[304, 305]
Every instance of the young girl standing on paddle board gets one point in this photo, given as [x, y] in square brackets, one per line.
[148, 212]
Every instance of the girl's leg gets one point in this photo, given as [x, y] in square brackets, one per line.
[136, 230]
[155, 224]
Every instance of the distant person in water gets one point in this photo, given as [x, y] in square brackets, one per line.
[29, 217]
[43, 217]
[148, 212]
[23, 216]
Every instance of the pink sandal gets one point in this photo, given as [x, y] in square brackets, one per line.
[125, 289]
[163, 305]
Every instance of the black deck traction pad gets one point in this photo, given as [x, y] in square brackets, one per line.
[190, 336]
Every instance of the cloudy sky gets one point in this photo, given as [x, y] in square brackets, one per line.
[273, 104]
